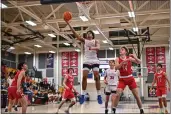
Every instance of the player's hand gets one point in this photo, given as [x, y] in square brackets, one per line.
[150, 89]
[105, 82]
[89, 48]
[132, 55]
[169, 88]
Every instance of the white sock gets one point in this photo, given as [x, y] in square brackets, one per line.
[98, 92]
[6, 107]
[16, 105]
[161, 110]
[83, 92]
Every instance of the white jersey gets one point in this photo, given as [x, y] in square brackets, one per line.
[9, 80]
[90, 56]
[112, 76]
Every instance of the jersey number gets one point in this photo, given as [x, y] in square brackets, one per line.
[159, 79]
[111, 77]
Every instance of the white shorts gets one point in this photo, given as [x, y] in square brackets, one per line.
[110, 89]
[91, 64]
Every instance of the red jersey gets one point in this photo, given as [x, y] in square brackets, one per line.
[14, 83]
[70, 81]
[161, 79]
[125, 70]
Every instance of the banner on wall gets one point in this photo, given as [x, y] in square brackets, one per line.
[49, 60]
[160, 51]
[64, 71]
[75, 72]
[151, 68]
[150, 59]
[152, 93]
[73, 55]
[160, 59]
[65, 55]
[74, 63]
[65, 63]
[164, 68]
[150, 51]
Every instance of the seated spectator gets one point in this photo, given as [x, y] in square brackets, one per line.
[50, 96]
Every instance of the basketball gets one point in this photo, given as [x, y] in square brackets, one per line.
[67, 16]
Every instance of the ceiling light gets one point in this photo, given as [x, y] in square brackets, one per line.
[52, 35]
[83, 18]
[51, 51]
[110, 48]
[78, 50]
[131, 14]
[135, 29]
[67, 44]
[27, 53]
[38, 46]
[31, 23]
[96, 32]
[105, 41]
[11, 48]
[3, 5]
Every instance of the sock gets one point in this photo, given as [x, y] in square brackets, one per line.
[16, 105]
[141, 108]
[161, 110]
[83, 92]
[106, 108]
[6, 107]
[98, 92]
[165, 108]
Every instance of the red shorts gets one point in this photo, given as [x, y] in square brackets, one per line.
[68, 94]
[130, 81]
[161, 91]
[13, 94]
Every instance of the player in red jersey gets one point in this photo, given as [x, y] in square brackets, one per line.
[68, 90]
[15, 90]
[124, 64]
[160, 79]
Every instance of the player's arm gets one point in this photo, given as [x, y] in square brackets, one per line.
[20, 76]
[154, 80]
[64, 82]
[97, 46]
[74, 89]
[105, 76]
[76, 35]
[134, 58]
[167, 80]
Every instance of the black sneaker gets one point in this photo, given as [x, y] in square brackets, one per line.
[114, 110]
[15, 108]
[141, 111]
[67, 111]
[106, 111]
[6, 110]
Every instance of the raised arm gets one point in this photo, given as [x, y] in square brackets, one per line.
[75, 34]
[134, 59]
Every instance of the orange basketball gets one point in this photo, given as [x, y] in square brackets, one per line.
[67, 16]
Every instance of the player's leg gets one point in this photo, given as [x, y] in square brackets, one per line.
[60, 105]
[164, 99]
[16, 105]
[10, 104]
[23, 102]
[119, 91]
[113, 98]
[86, 69]
[97, 82]
[73, 102]
[107, 93]
[133, 87]
[159, 95]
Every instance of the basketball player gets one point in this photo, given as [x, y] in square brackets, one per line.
[160, 79]
[15, 90]
[111, 81]
[91, 46]
[124, 64]
[68, 90]
[9, 81]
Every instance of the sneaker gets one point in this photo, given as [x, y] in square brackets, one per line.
[82, 99]
[113, 110]
[15, 108]
[67, 111]
[106, 111]
[141, 111]
[6, 110]
[99, 99]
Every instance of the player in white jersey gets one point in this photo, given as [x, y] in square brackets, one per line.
[91, 61]
[111, 81]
